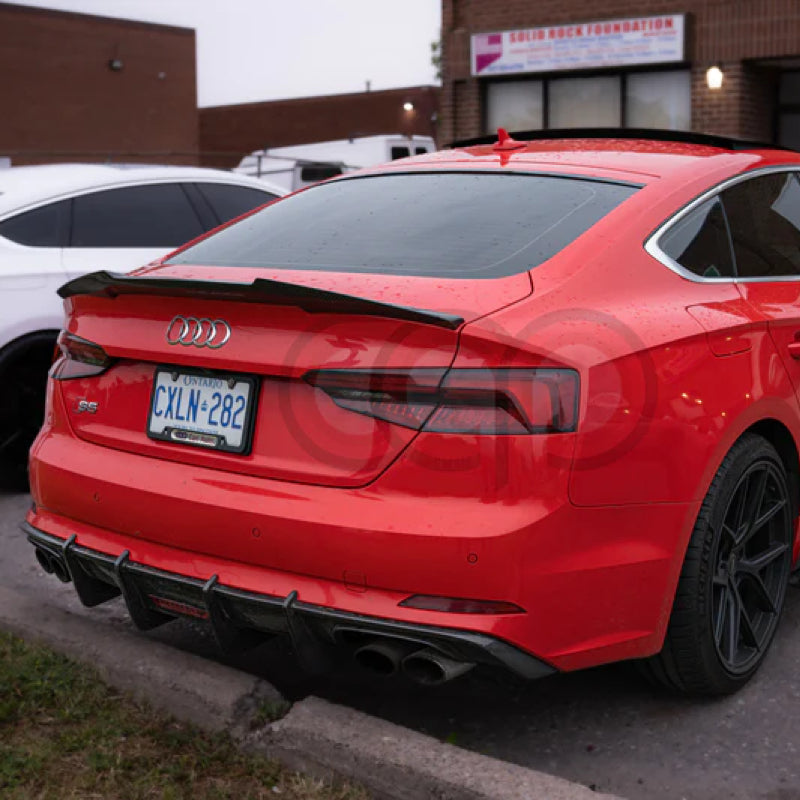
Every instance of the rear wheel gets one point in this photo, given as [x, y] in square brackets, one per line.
[23, 377]
[732, 587]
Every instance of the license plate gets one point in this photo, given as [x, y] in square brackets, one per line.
[202, 409]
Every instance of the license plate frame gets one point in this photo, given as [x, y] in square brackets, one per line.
[174, 434]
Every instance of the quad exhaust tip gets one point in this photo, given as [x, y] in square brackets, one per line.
[52, 565]
[431, 668]
[384, 656]
[425, 666]
[45, 561]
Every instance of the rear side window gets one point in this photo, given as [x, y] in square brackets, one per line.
[42, 227]
[473, 225]
[764, 219]
[136, 216]
[699, 242]
[230, 202]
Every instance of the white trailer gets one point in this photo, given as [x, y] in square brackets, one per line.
[300, 165]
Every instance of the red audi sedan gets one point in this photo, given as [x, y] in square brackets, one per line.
[530, 404]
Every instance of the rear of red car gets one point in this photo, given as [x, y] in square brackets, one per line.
[295, 426]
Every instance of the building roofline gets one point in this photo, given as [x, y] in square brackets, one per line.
[16, 8]
[313, 98]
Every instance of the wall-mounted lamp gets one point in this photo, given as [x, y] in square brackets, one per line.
[408, 106]
[714, 78]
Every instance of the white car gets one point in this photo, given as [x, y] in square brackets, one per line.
[63, 220]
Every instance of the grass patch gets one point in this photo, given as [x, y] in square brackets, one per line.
[269, 711]
[65, 734]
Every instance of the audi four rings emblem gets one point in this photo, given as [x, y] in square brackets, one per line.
[200, 332]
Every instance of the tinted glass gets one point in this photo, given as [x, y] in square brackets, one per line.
[789, 129]
[700, 243]
[41, 227]
[789, 88]
[229, 202]
[450, 225]
[764, 219]
[136, 216]
[400, 152]
[311, 173]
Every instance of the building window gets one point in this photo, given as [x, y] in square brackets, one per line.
[585, 102]
[660, 99]
[789, 110]
[515, 105]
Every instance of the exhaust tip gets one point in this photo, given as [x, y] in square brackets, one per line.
[60, 571]
[45, 561]
[423, 670]
[375, 660]
[384, 656]
[430, 668]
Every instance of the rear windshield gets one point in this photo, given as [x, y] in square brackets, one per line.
[448, 225]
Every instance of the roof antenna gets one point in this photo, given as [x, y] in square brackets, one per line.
[505, 142]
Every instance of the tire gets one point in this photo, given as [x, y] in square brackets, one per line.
[733, 583]
[23, 378]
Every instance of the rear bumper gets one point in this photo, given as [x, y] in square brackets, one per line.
[596, 584]
[153, 596]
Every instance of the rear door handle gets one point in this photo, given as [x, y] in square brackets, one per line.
[794, 350]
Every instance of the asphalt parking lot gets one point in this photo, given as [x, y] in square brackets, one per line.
[603, 728]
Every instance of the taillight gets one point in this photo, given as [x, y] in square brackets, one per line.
[81, 358]
[476, 401]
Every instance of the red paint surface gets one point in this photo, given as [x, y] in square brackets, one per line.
[585, 531]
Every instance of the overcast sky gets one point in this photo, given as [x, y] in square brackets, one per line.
[268, 49]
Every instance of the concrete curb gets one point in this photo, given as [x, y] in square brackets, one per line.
[400, 764]
[318, 737]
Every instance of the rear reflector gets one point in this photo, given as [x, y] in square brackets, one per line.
[177, 607]
[460, 605]
[81, 358]
[475, 401]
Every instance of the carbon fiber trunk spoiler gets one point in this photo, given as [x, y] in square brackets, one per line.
[261, 290]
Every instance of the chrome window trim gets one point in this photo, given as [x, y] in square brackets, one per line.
[651, 244]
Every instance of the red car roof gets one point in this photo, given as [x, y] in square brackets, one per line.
[639, 160]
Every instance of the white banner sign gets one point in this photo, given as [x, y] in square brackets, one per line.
[611, 43]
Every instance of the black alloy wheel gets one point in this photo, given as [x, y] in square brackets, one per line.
[733, 583]
[750, 567]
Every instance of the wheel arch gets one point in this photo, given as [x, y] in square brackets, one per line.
[691, 658]
[24, 363]
[777, 432]
[16, 347]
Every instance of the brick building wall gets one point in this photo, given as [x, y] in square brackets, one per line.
[61, 101]
[730, 33]
[229, 132]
